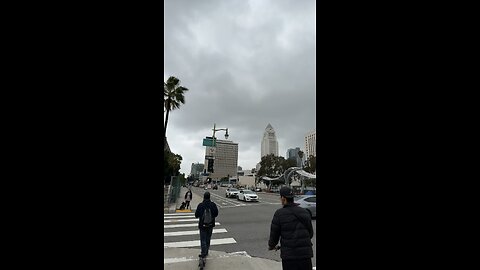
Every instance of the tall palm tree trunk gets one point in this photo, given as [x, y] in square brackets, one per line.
[166, 120]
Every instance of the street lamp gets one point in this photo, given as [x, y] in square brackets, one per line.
[218, 129]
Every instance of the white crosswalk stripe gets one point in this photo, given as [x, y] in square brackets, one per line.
[179, 214]
[180, 220]
[196, 243]
[185, 225]
[182, 216]
[196, 232]
[175, 224]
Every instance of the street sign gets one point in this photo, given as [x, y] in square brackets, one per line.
[211, 151]
[208, 142]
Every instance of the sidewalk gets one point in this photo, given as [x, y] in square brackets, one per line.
[196, 199]
[187, 258]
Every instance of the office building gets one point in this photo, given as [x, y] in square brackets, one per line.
[196, 170]
[225, 156]
[269, 142]
[292, 153]
[311, 144]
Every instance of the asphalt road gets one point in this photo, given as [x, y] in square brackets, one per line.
[249, 223]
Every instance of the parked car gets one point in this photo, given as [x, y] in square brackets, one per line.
[202, 186]
[231, 192]
[247, 195]
[308, 202]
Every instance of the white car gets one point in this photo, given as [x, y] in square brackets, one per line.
[247, 195]
[231, 192]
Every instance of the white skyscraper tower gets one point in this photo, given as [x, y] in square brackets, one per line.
[269, 142]
[311, 144]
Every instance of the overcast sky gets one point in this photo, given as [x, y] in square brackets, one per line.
[246, 64]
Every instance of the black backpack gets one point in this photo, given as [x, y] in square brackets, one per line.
[207, 219]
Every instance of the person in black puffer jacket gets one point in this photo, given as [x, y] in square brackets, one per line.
[293, 226]
[205, 232]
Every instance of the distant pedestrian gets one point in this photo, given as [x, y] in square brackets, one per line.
[293, 226]
[188, 198]
[206, 211]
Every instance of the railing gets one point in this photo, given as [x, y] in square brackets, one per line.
[174, 191]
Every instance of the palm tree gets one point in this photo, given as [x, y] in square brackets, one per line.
[300, 155]
[172, 97]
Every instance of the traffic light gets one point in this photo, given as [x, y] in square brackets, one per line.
[210, 166]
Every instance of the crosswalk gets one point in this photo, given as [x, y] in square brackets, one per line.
[223, 202]
[181, 230]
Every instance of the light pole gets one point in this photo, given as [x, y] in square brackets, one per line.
[214, 130]
[215, 139]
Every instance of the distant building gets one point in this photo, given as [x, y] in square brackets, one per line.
[196, 170]
[225, 156]
[269, 142]
[292, 153]
[247, 178]
[311, 144]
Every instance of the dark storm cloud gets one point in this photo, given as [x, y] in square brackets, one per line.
[247, 64]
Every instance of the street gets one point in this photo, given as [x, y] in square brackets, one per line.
[248, 223]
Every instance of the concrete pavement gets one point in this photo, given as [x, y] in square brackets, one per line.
[187, 258]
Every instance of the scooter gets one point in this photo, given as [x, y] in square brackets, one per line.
[201, 262]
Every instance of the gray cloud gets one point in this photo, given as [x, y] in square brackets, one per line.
[247, 64]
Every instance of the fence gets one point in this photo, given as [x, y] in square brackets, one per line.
[174, 189]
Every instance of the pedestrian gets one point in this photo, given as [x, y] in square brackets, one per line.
[206, 211]
[293, 226]
[188, 198]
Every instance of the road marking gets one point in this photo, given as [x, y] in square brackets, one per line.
[177, 260]
[196, 243]
[186, 259]
[179, 214]
[184, 225]
[180, 220]
[223, 200]
[196, 232]
[180, 217]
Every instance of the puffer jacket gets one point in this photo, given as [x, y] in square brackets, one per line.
[201, 208]
[295, 239]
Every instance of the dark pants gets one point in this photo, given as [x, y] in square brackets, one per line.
[205, 236]
[187, 204]
[303, 264]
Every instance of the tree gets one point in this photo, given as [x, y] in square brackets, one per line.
[171, 164]
[311, 164]
[289, 163]
[173, 97]
[273, 166]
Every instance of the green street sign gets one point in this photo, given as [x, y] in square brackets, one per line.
[208, 142]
